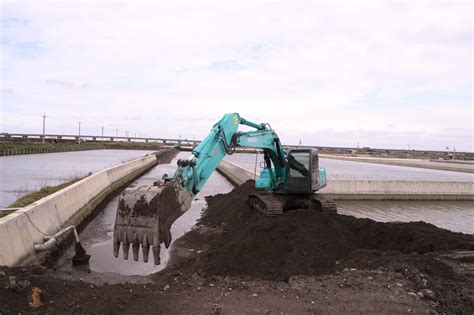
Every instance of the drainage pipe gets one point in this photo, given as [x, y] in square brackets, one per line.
[51, 241]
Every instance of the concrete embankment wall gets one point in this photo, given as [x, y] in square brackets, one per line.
[372, 189]
[65, 207]
[398, 190]
[235, 174]
[463, 167]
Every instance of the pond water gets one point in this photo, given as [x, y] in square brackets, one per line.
[22, 174]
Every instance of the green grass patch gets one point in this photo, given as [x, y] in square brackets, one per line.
[120, 145]
[47, 145]
[5, 213]
[43, 192]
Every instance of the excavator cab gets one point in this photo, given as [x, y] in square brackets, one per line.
[304, 175]
[303, 178]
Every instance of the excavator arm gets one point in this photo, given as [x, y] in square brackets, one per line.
[145, 214]
[224, 137]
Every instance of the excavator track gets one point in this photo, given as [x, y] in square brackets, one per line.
[267, 204]
[324, 204]
[275, 204]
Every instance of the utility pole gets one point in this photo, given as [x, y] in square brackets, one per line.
[44, 124]
[102, 132]
[79, 130]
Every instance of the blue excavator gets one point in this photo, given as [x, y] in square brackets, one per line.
[287, 181]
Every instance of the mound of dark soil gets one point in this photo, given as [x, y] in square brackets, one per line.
[304, 242]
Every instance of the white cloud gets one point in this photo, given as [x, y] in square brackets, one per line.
[314, 70]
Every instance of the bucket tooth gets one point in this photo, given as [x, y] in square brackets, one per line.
[156, 250]
[156, 254]
[135, 246]
[135, 249]
[167, 237]
[116, 245]
[145, 249]
[125, 246]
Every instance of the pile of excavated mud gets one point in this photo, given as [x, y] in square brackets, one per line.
[241, 241]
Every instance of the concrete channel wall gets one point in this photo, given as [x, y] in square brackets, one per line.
[463, 166]
[65, 207]
[372, 189]
[399, 190]
[235, 174]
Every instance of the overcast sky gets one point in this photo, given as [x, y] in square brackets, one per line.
[382, 74]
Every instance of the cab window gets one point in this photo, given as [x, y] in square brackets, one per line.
[298, 163]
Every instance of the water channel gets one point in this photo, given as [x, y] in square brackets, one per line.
[97, 237]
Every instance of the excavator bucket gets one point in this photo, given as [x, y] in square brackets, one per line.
[144, 217]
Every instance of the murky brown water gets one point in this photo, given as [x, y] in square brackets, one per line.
[97, 237]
